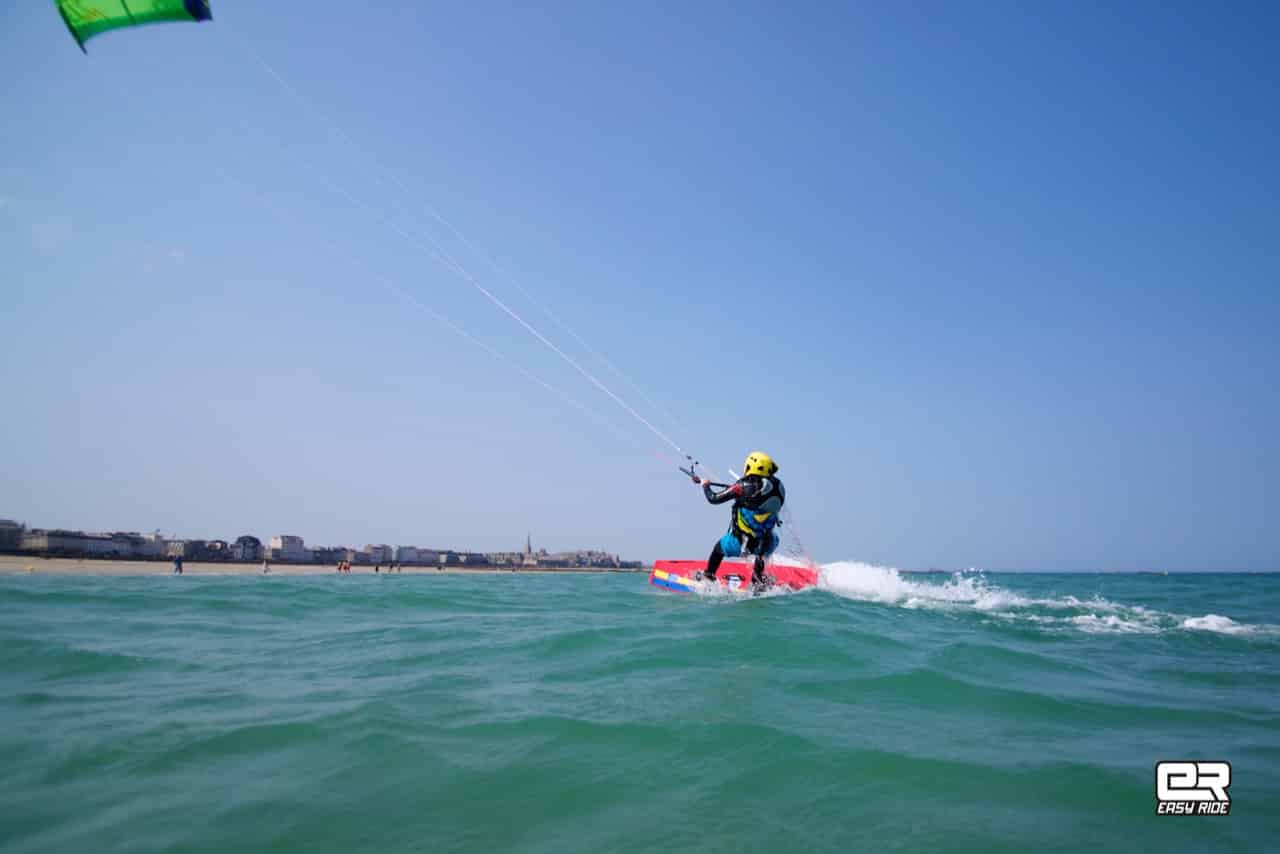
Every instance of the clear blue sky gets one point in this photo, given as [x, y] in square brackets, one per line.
[997, 283]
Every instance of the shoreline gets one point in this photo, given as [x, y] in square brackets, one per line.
[27, 565]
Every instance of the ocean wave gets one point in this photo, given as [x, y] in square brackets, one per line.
[972, 591]
[856, 580]
[1113, 624]
[1225, 625]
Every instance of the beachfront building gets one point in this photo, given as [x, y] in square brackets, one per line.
[80, 544]
[189, 549]
[217, 550]
[417, 555]
[326, 555]
[11, 535]
[286, 547]
[54, 542]
[584, 558]
[247, 548]
[362, 558]
[95, 545]
[126, 544]
[153, 546]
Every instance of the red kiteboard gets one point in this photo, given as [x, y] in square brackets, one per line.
[681, 575]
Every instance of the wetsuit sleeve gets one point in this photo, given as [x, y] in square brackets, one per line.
[727, 494]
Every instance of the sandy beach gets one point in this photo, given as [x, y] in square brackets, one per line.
[16, 564]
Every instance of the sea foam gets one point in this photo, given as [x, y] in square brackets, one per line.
[973, 591]
[1220, 624]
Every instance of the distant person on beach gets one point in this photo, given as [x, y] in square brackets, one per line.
[757, 499]
[177, 564]
[266, 567]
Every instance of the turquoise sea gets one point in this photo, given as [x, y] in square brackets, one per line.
[566, 713]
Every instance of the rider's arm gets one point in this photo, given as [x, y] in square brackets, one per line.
[744, 488]
[727, 494]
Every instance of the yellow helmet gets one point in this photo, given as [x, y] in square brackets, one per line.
[759, 463]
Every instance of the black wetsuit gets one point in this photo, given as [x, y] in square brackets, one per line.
[753, 497]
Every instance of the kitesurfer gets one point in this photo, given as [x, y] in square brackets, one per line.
[757, 499]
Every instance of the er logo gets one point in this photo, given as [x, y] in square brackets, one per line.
[1193, 787]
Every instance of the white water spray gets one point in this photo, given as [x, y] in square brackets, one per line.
[974, 592]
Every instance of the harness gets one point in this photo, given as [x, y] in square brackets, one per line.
[755, 517]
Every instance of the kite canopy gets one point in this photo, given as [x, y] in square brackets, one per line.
[86, 18]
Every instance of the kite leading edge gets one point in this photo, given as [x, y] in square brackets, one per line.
[87, 18]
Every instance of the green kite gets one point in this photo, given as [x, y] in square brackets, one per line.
[86, 18]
